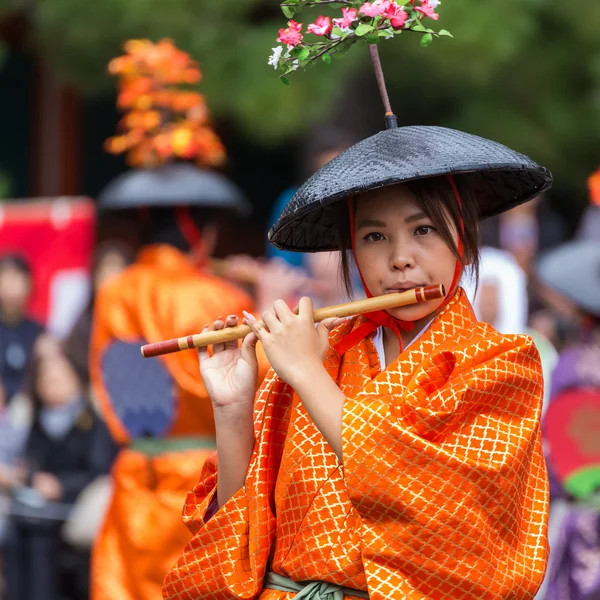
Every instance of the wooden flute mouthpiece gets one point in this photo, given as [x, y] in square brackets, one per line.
[348, 309]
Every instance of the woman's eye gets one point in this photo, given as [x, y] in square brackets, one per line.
[373, 237]
[424, 230]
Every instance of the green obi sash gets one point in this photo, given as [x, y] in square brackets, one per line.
[311, 590]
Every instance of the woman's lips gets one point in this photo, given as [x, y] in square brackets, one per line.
[404, 287]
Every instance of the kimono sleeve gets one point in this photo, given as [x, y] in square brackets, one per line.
[228, 555]
[448, 476]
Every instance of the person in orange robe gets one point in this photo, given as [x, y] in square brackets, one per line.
[399, 457]
[156, 408]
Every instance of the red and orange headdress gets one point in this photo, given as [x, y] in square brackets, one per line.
[594, 187]
[165, 118]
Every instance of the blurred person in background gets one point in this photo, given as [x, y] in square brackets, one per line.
[18, 333]
[501, 299]
[322, 145]
[110, 258]
[571, 428]
[525, 231]
[322, 269]
[12, 473]
[290, 275]
[158, 409]
[589, 225]
[66, 449]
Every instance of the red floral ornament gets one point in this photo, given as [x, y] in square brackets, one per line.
[360, 21]
[322, 26]
[291, 36]
[428, 7]
[349, 15]
[397, 16]
[375, 9]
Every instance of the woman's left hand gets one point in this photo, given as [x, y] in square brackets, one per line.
[48, 486]
[292, 343]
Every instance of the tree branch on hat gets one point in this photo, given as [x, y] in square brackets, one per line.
[360, 21]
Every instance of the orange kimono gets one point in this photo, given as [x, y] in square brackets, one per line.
[157, 408]
[442, 493]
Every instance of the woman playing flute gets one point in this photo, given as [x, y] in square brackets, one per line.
[395, 454]
[392, 455]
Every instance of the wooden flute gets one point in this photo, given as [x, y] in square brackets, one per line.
[348, 309]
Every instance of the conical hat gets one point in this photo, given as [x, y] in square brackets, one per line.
[177, 184]
[573, 270]
[498, 177]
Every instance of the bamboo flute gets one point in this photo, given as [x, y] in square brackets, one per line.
[347, 309]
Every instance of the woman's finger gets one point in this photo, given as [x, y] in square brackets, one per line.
[218, 325]
[305, 308]
[203, 352]
[271, 321]
[231, 321]
[283, 312]
[257, 327]
[249, 349]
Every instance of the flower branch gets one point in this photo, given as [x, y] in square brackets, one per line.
[359, 21]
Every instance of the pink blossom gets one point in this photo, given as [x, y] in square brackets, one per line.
[374, 9]
[397, 15]
[322, 26]
[291, 36]
[349, 16]
[428, 7]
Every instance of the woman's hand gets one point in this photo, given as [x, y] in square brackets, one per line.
[292, 343]
[230, 375]
[48, 486]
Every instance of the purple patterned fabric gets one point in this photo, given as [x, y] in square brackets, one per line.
[574, 572]
[577, 367]
[574, 568]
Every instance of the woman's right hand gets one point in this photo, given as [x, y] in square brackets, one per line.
[230, 375]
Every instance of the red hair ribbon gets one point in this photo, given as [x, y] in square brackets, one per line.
[192, 235]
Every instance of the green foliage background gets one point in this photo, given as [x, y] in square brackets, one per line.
[523, 72]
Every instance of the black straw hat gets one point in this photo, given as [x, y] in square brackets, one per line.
[573, 270]
[498, 177]
[177, 184]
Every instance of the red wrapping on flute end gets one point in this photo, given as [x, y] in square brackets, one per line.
[160, 348]
[433, 292]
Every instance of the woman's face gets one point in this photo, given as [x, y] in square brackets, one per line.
[57, 382]
[109, 266]
[398, 248]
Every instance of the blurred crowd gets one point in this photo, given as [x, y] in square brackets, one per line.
[56, 452]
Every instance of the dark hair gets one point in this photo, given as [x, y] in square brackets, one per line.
[31, 384]
[434, 194]
[16, 262]
[162, 226]
[323, 139]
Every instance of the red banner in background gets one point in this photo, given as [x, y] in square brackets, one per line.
[56, 237]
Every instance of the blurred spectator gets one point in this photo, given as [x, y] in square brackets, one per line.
[110, 259]
[322, 146]
[18, 333]
[67, 448]
[501, 297]
[589, 226]
[571, 272]
[12, 440]
[501, 300]
[291, 275]
[525, 231]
